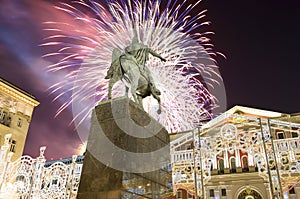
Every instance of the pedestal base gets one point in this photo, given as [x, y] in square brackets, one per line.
[121, 158]
[251, 168]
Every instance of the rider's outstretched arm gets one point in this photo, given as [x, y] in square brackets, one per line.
[155, 54]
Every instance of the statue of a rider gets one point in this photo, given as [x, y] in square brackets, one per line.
[141, 54]
[131, 65]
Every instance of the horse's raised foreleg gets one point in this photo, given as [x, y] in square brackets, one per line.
[110, 86]
[157, 97]
[159, 107]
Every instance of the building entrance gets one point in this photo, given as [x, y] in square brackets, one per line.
[249, 194]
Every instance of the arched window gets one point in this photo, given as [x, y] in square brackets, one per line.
[249, 194]
[221, 166]
[232, 165]
[245, 164]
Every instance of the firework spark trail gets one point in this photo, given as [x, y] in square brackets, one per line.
[182, 80]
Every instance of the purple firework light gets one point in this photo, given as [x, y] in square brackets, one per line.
[85, 51]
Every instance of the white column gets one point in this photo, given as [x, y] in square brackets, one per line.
[286, 194]
[267, 185]
[226, 163]
[215, 164]
[229, 193]
[237, 158]
[217, 193]
[4, 148]
[4, 159]
[250, 160]
[37, 175]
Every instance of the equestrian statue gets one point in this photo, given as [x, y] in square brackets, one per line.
[130, 67]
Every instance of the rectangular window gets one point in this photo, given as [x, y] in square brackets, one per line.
[292, 191]
[188, 147]
[190, 196]
[211, 193]
[12, 146]
[179, 194]
[3, 115]
[280, 135]
[294, 135]
[19, 124]
[54, 181]
[223, 192]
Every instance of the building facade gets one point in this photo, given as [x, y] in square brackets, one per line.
[16, 107]
[244, 153]
[32, 178]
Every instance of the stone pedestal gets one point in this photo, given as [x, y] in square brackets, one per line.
[239, 170]
[252, 168]
[214, 172]
[127, 154]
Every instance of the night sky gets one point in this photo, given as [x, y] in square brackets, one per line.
[259, 38]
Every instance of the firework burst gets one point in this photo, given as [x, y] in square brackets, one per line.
[85, 55]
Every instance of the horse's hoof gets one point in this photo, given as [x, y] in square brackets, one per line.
[158, 111]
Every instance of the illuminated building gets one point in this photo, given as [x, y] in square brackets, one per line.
[33, 178]
[16, 107]
[245, 153]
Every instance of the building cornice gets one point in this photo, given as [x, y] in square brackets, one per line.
[17, 93]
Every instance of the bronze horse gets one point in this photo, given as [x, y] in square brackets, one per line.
[130, 68]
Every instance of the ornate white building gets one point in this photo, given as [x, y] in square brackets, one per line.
[33, 178]
[244, 153]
